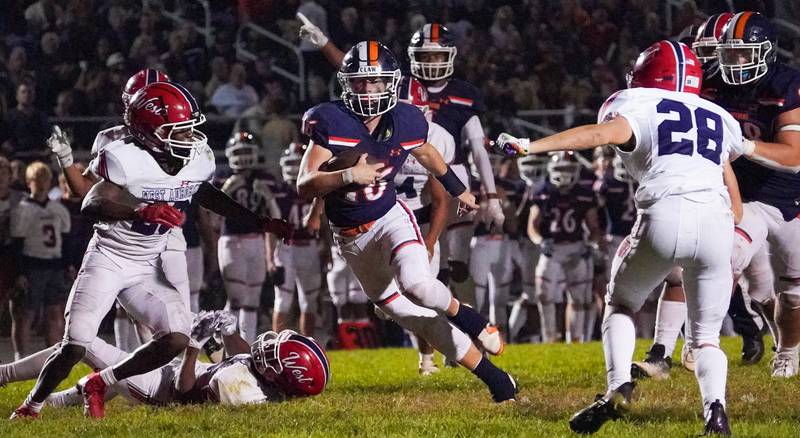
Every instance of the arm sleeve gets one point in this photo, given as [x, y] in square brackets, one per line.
[473, 131]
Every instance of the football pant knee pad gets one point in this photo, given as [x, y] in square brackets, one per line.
[431, 294]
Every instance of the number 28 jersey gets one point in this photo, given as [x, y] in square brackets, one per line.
[682, 141]
[136, 171]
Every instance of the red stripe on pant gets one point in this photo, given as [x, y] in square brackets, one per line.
[744, 234]
[388, 299]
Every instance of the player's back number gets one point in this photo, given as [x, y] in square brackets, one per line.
[708, 128]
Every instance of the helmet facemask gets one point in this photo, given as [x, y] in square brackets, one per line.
[563, 173]
[266, 352]
[742, 63]
[369, 104]
[242, 156]
[178, 148]
[532, 168]
[432, 70]
[705, 49]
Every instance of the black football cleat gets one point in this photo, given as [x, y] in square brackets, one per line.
[752, 349]
[717, 421]
[591, 418]
[654, 365]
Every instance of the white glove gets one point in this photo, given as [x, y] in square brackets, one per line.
[493, 215]
[311, 33]
[510, 146]
[59, 144]
[749, 147]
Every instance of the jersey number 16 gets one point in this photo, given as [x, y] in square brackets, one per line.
[709, 128]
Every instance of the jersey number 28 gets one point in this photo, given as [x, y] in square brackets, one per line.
[708, 126]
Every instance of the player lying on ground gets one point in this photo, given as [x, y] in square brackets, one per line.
[676, 145]
[276, 367]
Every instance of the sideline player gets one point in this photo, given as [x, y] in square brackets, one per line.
[676, 145]
[242, 246]
[378, 235]
[166, 162]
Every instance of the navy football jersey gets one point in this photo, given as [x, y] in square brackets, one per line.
[619, 205]
[254, 191]
[293, 208]
[452, 107]
[562, 213]
[756, 108]
[332, 126]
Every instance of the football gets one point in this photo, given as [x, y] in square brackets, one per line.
[343, 160]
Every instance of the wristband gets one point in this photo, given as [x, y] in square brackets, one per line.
[451, 183]
[347, 177]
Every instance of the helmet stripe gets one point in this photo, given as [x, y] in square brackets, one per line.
[740, 23]
[435, 33]
[313, 346]
[722, 20]
[678, 50]
[152, 76]
[373, 53]
[187, 95]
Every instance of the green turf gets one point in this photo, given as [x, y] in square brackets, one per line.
[378, 393]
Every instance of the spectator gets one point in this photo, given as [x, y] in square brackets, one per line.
[345, 34]
[219, 75]
[17, 67]
[236, 95]
[25, 129]
[277, 132]
[37, 228]
[42, 15]
[504, 34]
[9, 198]
[18, 176]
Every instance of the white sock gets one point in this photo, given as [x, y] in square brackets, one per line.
[248, 322]
[576, 324]
[26, 368]
[547, 313]
[425, 358]
[68, 397]
[108, 376]
[619, 341]
[669, 320]
[194, 301]
[34, 406]
[518, 319]
[125, 334]
[711, 370]
[589, 321]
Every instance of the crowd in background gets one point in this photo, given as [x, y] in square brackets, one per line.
[63, 59]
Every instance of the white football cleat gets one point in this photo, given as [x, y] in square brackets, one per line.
[492, 340]
[687, 358]
[784, 364]
[428, 368]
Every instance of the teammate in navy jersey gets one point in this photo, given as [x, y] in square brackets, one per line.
[561, 207]
[377, 235]
[297, 259]
[242, 247]
[457, 106]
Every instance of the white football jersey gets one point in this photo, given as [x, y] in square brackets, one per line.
[107, 136]
[135, 170]
[413, 176]
[682, 141]
[41, 227]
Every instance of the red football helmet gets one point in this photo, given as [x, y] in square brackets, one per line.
[139, 80]
[708, 36]
[667, 65]
[296, 363]
[162, 116]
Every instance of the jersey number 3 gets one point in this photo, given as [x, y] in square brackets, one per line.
[708, 126]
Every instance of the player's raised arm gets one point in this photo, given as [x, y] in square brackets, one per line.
[78, 181]
[313, 34]
[431, 159]
[313, 182]
[616, 132]
[729, 178]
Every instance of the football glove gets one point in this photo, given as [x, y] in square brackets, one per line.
[162, 214]
[59, 144]
[510, 146]
[311, 33]
[493, 214]
[278, 227]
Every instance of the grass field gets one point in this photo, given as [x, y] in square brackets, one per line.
[378, 393]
